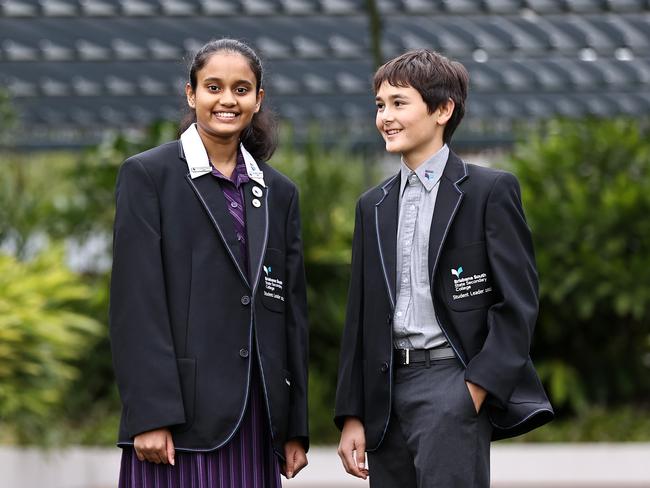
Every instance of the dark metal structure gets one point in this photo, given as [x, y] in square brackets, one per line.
[75, 68]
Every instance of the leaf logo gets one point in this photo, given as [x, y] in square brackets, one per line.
[457, 272]
[267, 270]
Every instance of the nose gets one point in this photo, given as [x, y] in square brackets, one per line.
[386, 115]
[227, 98]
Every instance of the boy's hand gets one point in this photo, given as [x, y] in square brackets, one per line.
[155, 446]
[296, 459]
[353, 438]
[478, 395]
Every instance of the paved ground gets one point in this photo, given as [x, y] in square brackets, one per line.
[513, 466]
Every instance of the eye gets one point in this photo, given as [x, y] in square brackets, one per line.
[380, 106]
[213, 88]
[398, 103]
[242, 90]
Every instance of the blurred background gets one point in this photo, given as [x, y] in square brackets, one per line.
[560, 95]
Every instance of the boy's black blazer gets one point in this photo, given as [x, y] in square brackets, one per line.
[187, 321]
[484, 291]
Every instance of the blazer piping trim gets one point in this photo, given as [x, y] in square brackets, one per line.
[532, 414]
[214, 221]
[384, 189]
[266, 239]
[442, 242]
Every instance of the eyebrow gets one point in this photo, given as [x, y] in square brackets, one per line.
[238, 82]
[392, 97]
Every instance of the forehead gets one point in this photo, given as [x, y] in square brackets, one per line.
[386, 90]
[227, 65]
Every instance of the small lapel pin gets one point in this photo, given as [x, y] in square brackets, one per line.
[257, 191]
[256, 203]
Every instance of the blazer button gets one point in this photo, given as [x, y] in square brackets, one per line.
[243, 352]
[389, 318]
[384, 367]
[245, 300]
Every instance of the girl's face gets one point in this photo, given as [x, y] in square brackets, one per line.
[225, 98]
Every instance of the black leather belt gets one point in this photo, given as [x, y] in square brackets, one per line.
[405, 357]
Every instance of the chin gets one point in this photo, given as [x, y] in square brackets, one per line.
[391, 147]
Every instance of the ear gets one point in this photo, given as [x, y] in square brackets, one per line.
[445, 111]
[189, 93]
[260, 99]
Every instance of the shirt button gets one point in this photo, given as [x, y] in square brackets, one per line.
[405, 280]
[233, 204]
[384, 367]
[243, 352]
[412, 207]
[407, 243]
[399, 314]
[245, 300]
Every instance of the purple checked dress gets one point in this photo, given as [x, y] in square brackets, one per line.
[247, 460]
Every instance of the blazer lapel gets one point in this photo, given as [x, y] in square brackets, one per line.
[257, 228]
[210, 195]
[448, 201]
[386, 216]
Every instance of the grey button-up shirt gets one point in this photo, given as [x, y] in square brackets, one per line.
[414, 323]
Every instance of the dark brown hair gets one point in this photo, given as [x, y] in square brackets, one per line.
[435, 77]
[261, 136]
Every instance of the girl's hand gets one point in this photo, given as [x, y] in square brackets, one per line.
[155, 446]
[296, 459]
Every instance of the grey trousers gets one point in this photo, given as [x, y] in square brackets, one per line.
[434, 439]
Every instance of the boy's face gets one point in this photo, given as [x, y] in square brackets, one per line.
[404, 121]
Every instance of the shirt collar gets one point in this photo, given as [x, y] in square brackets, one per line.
[198, 163]
[429, 172]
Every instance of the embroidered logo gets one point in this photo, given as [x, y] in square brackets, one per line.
[457, 272]
[267, 270]
[428, 174]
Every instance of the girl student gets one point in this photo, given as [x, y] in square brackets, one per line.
[208, 304]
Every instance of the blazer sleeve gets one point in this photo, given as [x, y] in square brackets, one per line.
[510, 321]
[297, 326]
[349, 388]
[140, 331]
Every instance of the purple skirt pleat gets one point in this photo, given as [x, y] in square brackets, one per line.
[247, 461]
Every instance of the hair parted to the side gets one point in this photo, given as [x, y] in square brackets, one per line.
[261, 137]
[435, 77]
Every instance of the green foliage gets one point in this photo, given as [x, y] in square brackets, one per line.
[330, 181]
[586, 190]
[42, 334]
[596, 424]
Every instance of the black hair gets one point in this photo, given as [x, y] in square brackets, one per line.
[261, 136]
[435, 77]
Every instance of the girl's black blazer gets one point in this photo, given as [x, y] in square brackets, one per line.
[187, 321]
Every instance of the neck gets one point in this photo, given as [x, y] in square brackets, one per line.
[221, 152]
[417, 158]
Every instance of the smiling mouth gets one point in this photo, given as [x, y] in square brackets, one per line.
[225, 115]
[392, 132]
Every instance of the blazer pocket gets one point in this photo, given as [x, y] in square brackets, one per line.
[187, 374]
[272, 286]
[467, 278]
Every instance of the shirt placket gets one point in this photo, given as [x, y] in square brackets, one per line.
[410, 203]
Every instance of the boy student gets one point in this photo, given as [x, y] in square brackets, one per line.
[443, 299]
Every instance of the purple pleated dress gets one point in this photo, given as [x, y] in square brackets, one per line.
[247, 460]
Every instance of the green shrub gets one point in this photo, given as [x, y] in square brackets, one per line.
[330, 181]
[42, 334]
[586, 190]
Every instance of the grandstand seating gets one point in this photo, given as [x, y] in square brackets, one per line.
[91, 64]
